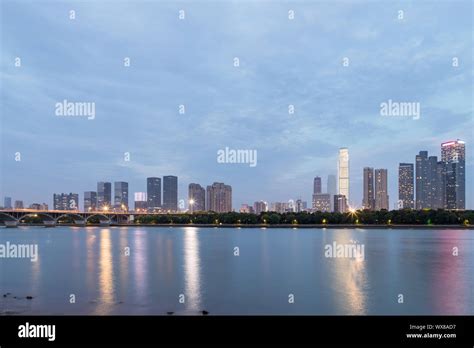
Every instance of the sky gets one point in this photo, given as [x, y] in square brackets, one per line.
[335, 62]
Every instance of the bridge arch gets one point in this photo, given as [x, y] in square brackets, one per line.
[10, 217]
[102, 217]
[41, 215]
[74, 215]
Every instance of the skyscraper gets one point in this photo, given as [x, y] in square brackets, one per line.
[170, 193]
[104, 195]
[453, 156]
[66, 201]
[432, 183]
[405, 186]
[317, 185]
[196, 198]
[153, 191]
[7, 203]
[90, 201]
[340, 204]
[260, 207]
[381, 189]
[421, 172]
[322, 202]
[368, 201]
[219, 197]
[343, 173]
[121, 195]
[140, 201]
[332, 189]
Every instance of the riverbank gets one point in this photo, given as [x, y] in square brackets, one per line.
[295, 226]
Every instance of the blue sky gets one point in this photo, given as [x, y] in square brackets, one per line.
[190, 62]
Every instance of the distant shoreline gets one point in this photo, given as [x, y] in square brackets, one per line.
[294, 226]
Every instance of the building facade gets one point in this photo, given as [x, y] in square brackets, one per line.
[219, 198]
[121, 195]
[381, 189]
[90, 201]
[196, 198]
[406, 193]
[343, 173]
[170, 193]
[153, 191]
[368, 201]
[104, 195]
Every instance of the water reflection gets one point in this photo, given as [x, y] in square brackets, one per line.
[192, 277]
[106, 276]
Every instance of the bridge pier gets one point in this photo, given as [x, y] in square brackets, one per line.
[49, 223]
[80, 222]
[11, 223]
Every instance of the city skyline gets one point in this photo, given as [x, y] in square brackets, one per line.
[171, 111]
[426, 183]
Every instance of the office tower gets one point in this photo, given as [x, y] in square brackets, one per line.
[90, 201]
[381, 189]
[332, 188]
[7, 203]
[432, 183]
[260, 207]
[300, 206]
[219, 198]
[170, 193]
[441, 182]
[104, 195]
[453, 155]
[421, 187]
[35, 206]
[19, 204]
[153, 191]
[140, 201]
[196, 198]
[66, 201]
[343, 173]
[317, 185]
[121, 195]
[405, 186]
[340, 204]
[322, 202]
[368, 201]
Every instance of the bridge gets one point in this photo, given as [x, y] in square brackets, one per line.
[50, 218]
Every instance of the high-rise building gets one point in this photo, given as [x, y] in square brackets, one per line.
[7, 202]
[421, 188]
[153, 191]
[340, 204]
[104, 195]
[90, 201]
[170, 193]
[406, 195]
[332, 189]
[19, 204]
[196, 198]
[381, 189]
[66, 201]
[317, 185]
[260, 207]
[219, 198]
[432, 183]
[453, 156]
[140, 201]
[121, 195]
[322, 202]
[343, 173]
[368, 201]
[441, 182]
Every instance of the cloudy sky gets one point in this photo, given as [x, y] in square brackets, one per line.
[403, 56]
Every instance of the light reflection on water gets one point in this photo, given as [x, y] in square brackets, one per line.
[200, 263]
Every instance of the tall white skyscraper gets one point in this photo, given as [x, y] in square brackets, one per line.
[343, 173]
